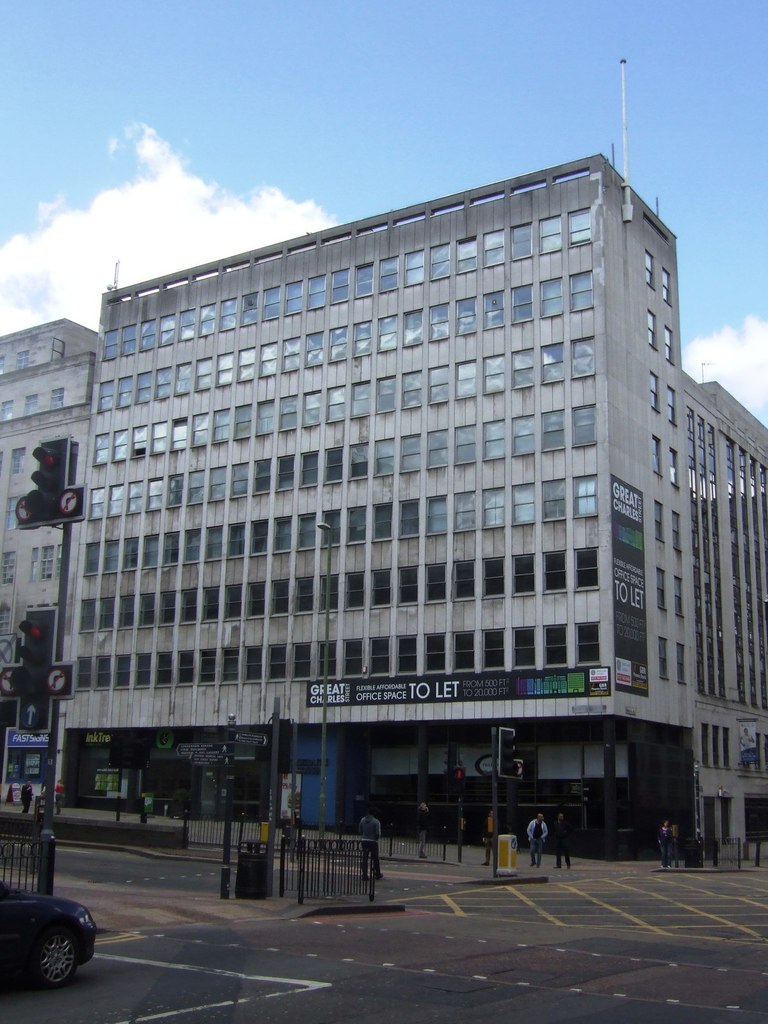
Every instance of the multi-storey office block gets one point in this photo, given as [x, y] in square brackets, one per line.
[481, 398]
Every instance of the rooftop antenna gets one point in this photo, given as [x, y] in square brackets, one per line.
[626, 207]
[113, 287]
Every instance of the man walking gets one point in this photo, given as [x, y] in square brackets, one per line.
[537, 832]
[370, 832]
[562, 830]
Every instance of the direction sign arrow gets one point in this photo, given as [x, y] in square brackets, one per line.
[204, 750]
[256, 739]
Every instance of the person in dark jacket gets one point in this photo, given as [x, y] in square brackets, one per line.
[370, 833]
[26, 796]
[422, 824]
[666, 837]
[562, 830]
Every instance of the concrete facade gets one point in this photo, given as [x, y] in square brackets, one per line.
[482, 397]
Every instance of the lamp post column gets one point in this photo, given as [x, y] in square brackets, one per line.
[321, 816]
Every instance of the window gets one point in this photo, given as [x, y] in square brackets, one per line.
[309, 469]
[362, 334]
[464, 447]
[414, 268]
[552, 363]
[651, 328]
[358, 461]
[380, 656]
[494, 440]
[279, 604]
[493, 577]
[493, 248]
[663, 663]
[364, 280]
[361, 399]
[586, 568]
[464, 511]
[406, 654]
[355, 590]
[677, 594]
[673, 471]
[411, 397]
[493, 507]
[656, 455]
[334, 465]
[356, 525]
[214, 542]
[268, 361]
[671, 405]
[384, 458]
[57, 398]
[466, 256]
[587, 642]
[524, 647]
[146, 609]
[523, 510]
[463, 651]
[554, 570]
[551, 297]
[521, 241]
[523, 435]
[584, 496]
[413, 328]
[381, 590]
[294, 297]
[579, 227]
[437, 448]
[8, 567]
[196, 489]
[493, 374]
[171, 549]
[246, 364]
[167, 607]
[553, 430]
[676, 531]
[555, 650]
[493, 648]
[436, 582]
[522, 368]
[304, 595]
[265, 417]
[649, 269]
[439, 322]
[285, 472]
[163, 382]
[581, 291]
[159, 438]
[409, 518]
[584, 429]
[257, 599]
[336, 404]
[340, 285]
[388, 273]
[550, 237]
[522, 303]
[440, 261]
[178, 434]
[668, 347]
[386, 390]
[437, 515]
[434, 660]
[553, 499]
[183, 384]
[438, 384]
[583, 357]
[463, 580]
[665, 286]
[289, 413]
[314, 352]
[291, 354]
[382, 521]
[408, 585]
[192, 540]
[653, 388]
[281, 540]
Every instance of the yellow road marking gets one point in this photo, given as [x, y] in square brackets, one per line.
[615, 910]
[534, 906]
[450, 902]
[103, 940]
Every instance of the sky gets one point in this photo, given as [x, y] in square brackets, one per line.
[159, 135]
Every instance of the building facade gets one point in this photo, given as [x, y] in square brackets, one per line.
[46, 384]
[478, 402]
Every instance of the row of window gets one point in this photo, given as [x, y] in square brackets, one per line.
[8, 407]
[312, 350]
[469, 511]
[45, 564]
[392, 272]
[231, 664]
[282, 595]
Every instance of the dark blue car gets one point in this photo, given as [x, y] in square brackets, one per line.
[44, 937]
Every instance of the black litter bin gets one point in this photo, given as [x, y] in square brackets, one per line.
[251, 879]
[693, 853]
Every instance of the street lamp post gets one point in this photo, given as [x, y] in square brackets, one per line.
[325, 528]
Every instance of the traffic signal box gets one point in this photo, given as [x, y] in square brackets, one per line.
[36, 678]
[54, 501]
[508, 765]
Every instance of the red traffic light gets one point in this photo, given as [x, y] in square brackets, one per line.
[55, 501]
[459, 773]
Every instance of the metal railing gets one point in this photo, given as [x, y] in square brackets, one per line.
[19, 862]
[210, 832]
[324, 869]
[726, 853]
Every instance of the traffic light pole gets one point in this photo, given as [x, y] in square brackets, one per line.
[47, 837]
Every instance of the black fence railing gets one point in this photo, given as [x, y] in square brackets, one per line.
[19, 862]
[726, 853]
[324, 869]
[210, 832]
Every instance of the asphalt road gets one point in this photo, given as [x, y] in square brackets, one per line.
[627, 945]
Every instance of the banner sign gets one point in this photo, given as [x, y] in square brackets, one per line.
[629, 616]
[586, 682]
[748, 741]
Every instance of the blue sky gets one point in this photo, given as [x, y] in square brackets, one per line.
[164, 134]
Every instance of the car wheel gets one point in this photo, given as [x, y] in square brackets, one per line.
[54, 958]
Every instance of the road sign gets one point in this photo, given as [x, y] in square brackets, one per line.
[256, 739]
[206, 753]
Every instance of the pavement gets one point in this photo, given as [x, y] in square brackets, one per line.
[405, 878]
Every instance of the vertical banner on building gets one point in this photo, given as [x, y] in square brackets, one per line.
[629, 617]
[747, 741]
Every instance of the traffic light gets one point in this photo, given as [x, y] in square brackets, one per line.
[54, 501]
[507, 763]
[33, 680]
[459, 777]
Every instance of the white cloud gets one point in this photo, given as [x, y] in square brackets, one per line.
[163, 220]
[737, 358]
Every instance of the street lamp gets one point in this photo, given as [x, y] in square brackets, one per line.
[326, 529]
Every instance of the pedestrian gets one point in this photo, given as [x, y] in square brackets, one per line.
[562, 830]
[422, 824]
[666, 838]
[537, 832]
[370, 831]
[58, 795]
[488, 836]
[26, 796]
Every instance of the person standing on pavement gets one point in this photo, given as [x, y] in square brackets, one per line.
[26, 796]
[537, 832]
[666, 838]
[488, 836]
[58, 794]
[370, 832]
[562, 830]
[422, 824]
